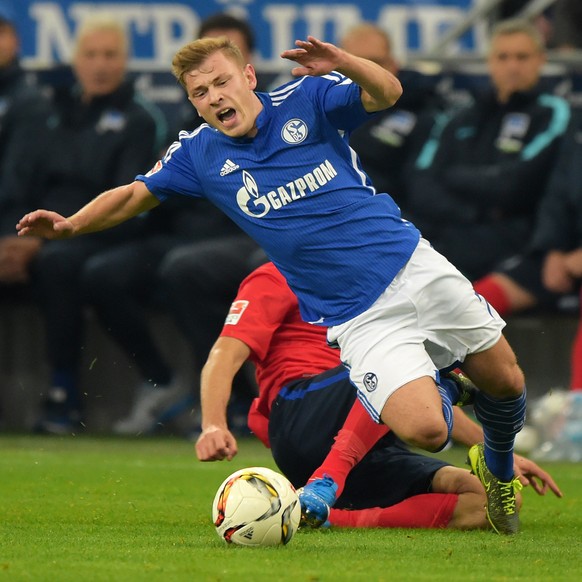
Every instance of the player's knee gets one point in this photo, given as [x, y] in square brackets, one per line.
[428, 436]
[516, 381]
[510, 383]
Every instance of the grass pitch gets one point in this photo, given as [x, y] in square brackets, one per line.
[104, 509]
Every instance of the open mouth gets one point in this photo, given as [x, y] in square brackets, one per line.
[226, 115]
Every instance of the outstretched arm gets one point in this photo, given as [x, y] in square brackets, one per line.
[226, 357]
[380, 88]
[107, 210]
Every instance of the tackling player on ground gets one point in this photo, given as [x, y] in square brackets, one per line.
[305, 398]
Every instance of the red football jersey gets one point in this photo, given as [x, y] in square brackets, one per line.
[265, 316]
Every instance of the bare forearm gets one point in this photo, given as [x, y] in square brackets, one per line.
[112, 208]
[380, 88]
[225, 359]
[215, 390]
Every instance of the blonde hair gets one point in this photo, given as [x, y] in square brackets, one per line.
[102, 22]
[519, 26]
[192, 55]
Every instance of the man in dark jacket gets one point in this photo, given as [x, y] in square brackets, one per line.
[479, 178]
[197, 260]
[393, 138]
[22, 108]
[99, 131]
[552, 265]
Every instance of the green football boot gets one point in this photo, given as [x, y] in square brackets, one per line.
[501, 496]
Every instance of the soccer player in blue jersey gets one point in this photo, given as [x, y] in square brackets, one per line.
[280, 166]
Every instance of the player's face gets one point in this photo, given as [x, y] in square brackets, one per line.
[100, 62]
[222, 93]
[515, 64]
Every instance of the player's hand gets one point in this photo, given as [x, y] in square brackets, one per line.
[315, 57]
[216, 444]
[46, 224]
[573, 262]
[531, 474]
[555, 274]
[15, 257]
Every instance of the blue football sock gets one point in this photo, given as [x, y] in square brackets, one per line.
[501, 420]
[449, 394]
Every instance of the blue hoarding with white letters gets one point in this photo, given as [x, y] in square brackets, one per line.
[159, 27]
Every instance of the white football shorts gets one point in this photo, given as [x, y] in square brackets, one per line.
[427, 319]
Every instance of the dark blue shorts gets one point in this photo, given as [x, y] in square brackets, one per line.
[305, 418]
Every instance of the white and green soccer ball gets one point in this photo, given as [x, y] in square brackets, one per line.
[256, 506]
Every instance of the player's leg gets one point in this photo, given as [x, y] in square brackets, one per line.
[469, 512]
[504, 293]
[315, 427]
[354, 440]
[517, 285]
[426, 511]
[500, 407]
[394, 487]
[470, 330]
[394, 375]
[201, 280]
[501, 394]
[305, 418]
[417, 322]
[415, 413]
[56, 286]
[121, 285]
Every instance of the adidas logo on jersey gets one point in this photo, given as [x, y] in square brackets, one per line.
[229, 166]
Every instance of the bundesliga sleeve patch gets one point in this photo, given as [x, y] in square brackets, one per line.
[236, 311]
[155, 169]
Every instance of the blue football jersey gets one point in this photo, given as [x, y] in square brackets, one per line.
[298, 189]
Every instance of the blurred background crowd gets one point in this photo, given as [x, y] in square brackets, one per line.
[483, 153]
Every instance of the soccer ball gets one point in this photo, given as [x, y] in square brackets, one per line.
[256, 507]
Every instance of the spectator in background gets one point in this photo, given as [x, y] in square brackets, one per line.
[99, 132]
[194, 268]
[478, 180]
[551, 267]
[391, 139]
[22, 108]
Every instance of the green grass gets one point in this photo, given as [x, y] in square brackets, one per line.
[106, 509]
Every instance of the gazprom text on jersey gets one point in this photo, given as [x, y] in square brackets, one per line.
[311, 181]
